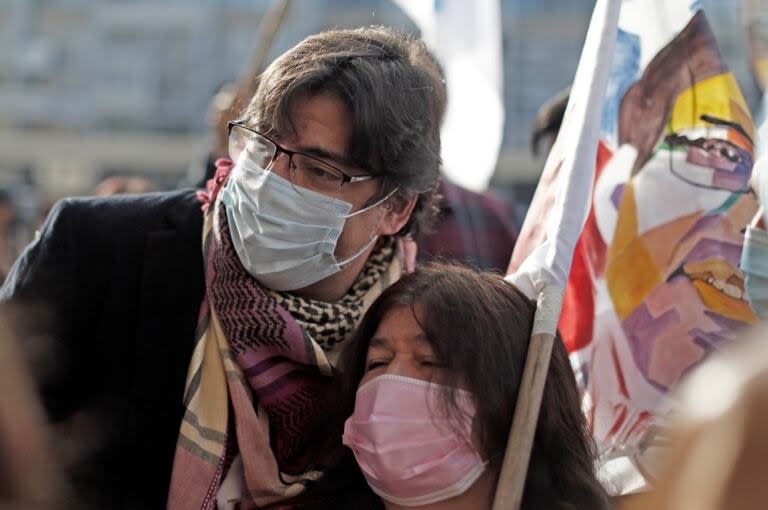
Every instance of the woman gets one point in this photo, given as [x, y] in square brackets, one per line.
[467, 332]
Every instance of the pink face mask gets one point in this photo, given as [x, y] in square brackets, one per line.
[411, 453]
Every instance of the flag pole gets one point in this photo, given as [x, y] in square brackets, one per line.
[543, 275]
[270, 25]
[509, 489]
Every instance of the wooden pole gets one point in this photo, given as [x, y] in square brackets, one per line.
[546, 268]
[228, 107]
[268, 28]
[514, 470]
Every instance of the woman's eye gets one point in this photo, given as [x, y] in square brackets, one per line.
[373, 365]
[432, 363]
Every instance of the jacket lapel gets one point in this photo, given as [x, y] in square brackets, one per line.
[171, 292]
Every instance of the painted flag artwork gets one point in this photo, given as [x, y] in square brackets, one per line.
[655, 285]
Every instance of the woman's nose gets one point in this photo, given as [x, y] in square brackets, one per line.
[405, 366]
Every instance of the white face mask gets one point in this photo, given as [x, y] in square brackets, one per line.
[285, 238]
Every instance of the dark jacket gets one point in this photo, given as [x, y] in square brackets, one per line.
[122, 279]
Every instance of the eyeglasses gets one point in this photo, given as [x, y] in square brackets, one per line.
[305, 172]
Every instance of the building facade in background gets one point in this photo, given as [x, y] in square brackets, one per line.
[86, 84]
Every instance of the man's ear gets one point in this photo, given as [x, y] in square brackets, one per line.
[399, 210]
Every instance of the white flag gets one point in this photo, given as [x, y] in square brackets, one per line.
[466, 38]
[655, 284]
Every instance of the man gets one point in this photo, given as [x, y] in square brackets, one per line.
[474, 228]
[335, 156]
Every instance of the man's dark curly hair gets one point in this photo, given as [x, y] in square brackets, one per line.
[394, 92]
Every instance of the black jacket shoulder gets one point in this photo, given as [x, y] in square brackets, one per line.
[92, 227]
[120, 281]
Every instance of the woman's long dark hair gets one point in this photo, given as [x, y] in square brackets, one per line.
[479, 326]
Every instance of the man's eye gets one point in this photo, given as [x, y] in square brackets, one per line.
[321, 173]
[258, 155]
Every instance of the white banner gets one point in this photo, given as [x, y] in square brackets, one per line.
[465, 36]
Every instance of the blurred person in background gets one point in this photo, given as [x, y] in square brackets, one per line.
[549, 118]
[206, 342]
[9, 248]
[717, 448]
[30, 478]
[754, 257]
[120, 185]
[756, 19]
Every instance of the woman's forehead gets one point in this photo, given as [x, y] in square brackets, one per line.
[400, 330]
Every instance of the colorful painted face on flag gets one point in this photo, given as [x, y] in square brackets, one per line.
[672, 268]
[661, 249]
